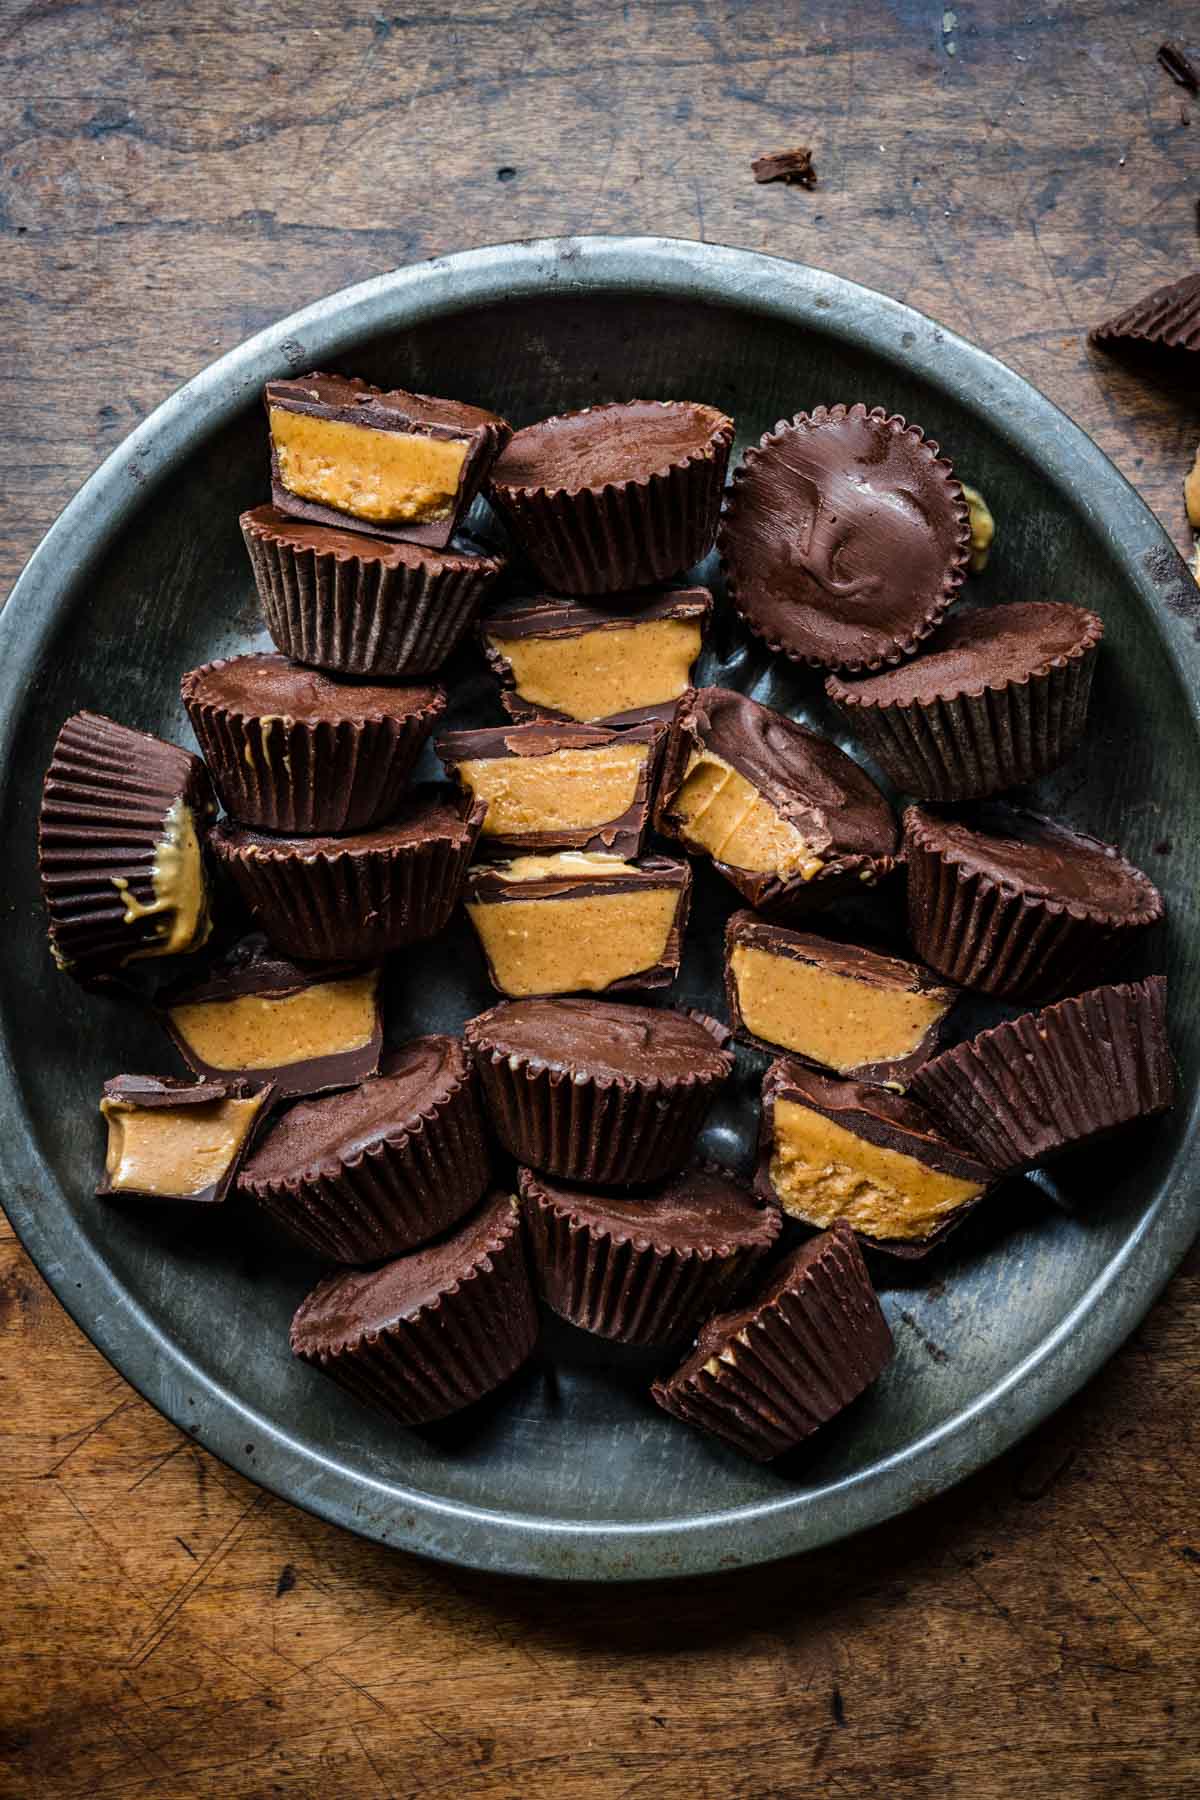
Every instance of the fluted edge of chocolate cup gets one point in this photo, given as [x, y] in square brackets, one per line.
[617, 1282]
[409, 1185]
[801, 1360]
[356, 616]
[983, 934]
[1049, 1081]
[599, 1131]
[969, 745]
[106, 796]
[294, 775]
[624, 534]
[450, 1353]
[1169, 316]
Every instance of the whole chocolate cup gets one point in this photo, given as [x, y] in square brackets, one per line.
[107, 802]
[1170, 317]
[358, 605]
[997, 731]
[401, 1179]
[1050, 1081]
[619, 534]
[766, 1377]
[426, 1335]
[341, 769]
[597, 1127]
[353, 899]
[1003, 936]
[611, 1267]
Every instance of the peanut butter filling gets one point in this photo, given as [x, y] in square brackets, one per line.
[983, 527]
[180, 893]
[725, 814]
[174, 1151]
[822, 1172]
[568, 790]
[607, 671]
[387, 477]
[573, 944]
[268, 1031]
[832, 1018]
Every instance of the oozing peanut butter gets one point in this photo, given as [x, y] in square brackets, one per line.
[983, 527]
[568, 790]
[832, 1018]
[604, 672]
[174, 1151]
[822, 1172]
[265, 1031]
[573, 943]
[725, 814]
[386, 477]
[180, 893]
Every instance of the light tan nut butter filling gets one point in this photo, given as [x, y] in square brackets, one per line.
[835, 1019]
[569, 945]
[387, 477]
[725, 814]
[267, 1031]
[822, 1172]
[174, 1151]
[1191, 493]
[568, 790]
[982, 527]
[604, 672]
[180, 893]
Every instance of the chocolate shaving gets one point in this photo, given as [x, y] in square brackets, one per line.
[794, 166]
[1179, 67]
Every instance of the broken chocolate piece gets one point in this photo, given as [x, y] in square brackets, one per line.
[1179, 66]
[1168, 318]
[793, 166]
[178, 1140]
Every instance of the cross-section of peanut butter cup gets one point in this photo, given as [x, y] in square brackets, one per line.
[1169, 318]
[766, 1377]
[617, 496]
[178, 1142]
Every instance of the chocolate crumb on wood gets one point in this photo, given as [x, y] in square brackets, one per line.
[1179, 67]
[793, 166]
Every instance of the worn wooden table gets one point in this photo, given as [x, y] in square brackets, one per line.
[171, 178]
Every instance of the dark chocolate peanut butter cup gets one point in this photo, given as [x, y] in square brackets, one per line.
[1019, 905]
[178, 1143]
[359, 606]
[292, 751]
[844, 537]
[427, 1334]
[599, 1093]
[616, 496]
[1168, 318]
[645, 1269]
[999, 698]
[381, 1168]
[766, 1377]
[1055, 1079]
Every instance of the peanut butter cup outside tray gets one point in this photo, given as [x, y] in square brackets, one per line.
[1169, 318]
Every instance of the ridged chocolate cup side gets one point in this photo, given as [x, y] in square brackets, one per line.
[617, 1282]
[791, 1361]
[1050, 1081]
[451, 1352]
[626, 534]
[386, 616]
[295, 776]
[1170, 317]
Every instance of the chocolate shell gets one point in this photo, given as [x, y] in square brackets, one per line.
[766, 1377]
[999, 698]
[291, 751]
[844, 537]
[616, 496]
[427, 1334]
[120, 847]
[381, 1168]
[1169, 317]
[196, 1103]
[1049, 1081]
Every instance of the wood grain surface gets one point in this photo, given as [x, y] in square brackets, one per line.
[174, 176]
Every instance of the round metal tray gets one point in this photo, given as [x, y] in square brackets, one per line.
[572, 1472]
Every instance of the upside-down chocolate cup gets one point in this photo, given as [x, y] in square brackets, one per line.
[355, 898]
[999, 698]
[431, 1332]
[120, 847]
[1021, 907]
[381, 1168]
[766, 1377]
[1050, 1081]
[616, 496]
[360, 606]
[644, 1269]
[1168, 318]
[599, 1093]
[292, 751]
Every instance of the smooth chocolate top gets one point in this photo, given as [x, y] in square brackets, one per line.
[702, 1209]
[412, 1080]
[386, 409]
[1038, 856]
[357, 1303]
[603, 1039]
[351, 546]
[425, 814]
[620, 441]
[547, 617]
[853, 960]
[876, 1114]
[253, 966]
[538, 739]
[266, 685]
[981, 649]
